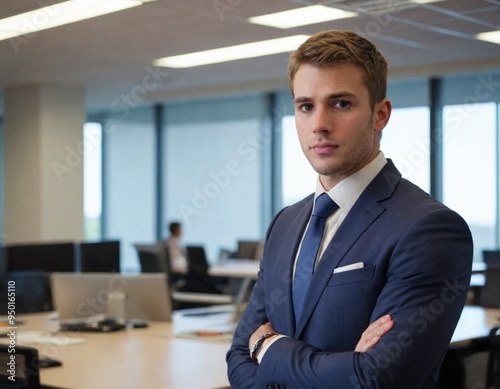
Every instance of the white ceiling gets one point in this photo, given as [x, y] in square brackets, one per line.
[111, 55]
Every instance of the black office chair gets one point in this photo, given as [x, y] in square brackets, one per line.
[32, 289]
[99, 257]
[492, 258]
[198, 279]
[490, 293]
[493, 368]
[197, 260]
[453, 371]
[249, 249]
[154, 258]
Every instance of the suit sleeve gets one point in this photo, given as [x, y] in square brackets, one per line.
[241, 368]
[427, 277]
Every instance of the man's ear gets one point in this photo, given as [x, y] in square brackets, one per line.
[381, 114]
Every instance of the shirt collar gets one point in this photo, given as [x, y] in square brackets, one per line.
[347, 191]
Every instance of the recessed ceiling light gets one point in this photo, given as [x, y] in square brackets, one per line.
[301, 16]
[231, 53]
[59, 14]
[425, 1]
[491, 36]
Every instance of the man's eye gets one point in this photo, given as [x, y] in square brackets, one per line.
[305, 107]
[342, 104]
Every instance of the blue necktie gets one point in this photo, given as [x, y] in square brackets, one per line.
[304, 267]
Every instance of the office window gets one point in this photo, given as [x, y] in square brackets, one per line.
[129, 185]
[92, 180]
[469, 168]
[298, 177]
[406, 141]
[212, 167]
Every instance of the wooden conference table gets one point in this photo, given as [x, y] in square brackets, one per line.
[154, 357]
[132, 358]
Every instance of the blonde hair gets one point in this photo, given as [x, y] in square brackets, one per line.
[333, 47]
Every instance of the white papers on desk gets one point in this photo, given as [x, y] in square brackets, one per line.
[209, 322]
[41, 337]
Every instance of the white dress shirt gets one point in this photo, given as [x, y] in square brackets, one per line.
[345, 194]
[178, 261]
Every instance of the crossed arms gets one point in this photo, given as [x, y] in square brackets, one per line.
[422, 286]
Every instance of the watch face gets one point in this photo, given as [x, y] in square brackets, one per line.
[256, 347]
[258, 344]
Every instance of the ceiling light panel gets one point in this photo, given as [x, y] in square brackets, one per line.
[232, 53]
[301, 16]
[491, 36]
[59, 14]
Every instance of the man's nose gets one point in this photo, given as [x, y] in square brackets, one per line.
[322, 120]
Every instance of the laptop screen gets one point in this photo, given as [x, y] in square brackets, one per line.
[78, 296]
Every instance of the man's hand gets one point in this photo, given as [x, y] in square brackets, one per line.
[263, 329]
[371, 336]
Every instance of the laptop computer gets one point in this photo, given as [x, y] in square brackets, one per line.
[81, 296]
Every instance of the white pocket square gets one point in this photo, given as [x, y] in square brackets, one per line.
[357, 265]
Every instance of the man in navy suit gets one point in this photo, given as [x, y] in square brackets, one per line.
[393, 268]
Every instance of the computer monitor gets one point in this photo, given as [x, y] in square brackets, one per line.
[78, 296]
[49, 257]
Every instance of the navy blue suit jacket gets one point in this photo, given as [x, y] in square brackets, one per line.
[417, 257]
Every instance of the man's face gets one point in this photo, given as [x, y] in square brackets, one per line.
[337, 129]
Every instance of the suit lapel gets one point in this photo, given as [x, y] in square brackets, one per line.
[364, 212]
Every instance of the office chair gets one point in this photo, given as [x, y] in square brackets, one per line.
[99, 257]
[490, 293]
[249, 249]
[198, 278]
[32, 288]
[454, 366]
[493, 367]
[453, 370]
[155, 258]
[197, 260]
[492, 258]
